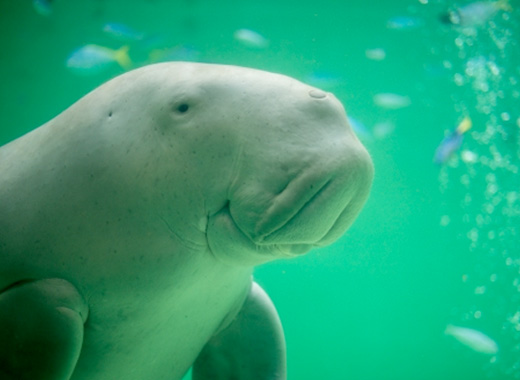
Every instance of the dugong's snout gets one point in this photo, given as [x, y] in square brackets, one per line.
[320, 204]
[310, 187]
[300, 180]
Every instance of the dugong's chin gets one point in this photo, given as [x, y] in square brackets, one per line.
[229, 244]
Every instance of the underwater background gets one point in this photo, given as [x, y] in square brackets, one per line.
[426, 284]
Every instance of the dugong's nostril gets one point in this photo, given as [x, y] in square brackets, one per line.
[317, 94]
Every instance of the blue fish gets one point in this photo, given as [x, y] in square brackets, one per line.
[403, 23]
[251, 39]
[391, 101]
[43, 7]
[323, 80]
[361, 129]
[93, 59]
[122, 32]
[451, 143]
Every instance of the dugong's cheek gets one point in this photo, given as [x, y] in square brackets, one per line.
[224, 236]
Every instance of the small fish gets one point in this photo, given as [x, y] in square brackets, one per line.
[323, 80]
[473, 339]
[391, 101]
[361, 129]
[122, 32]
[383, 129]
[451, 143]
[403, 23]
[176, 53]
[474, 14]
[43, 7]
[93, 59]
[251, 39]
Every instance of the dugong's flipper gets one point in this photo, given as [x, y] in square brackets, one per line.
[41, 330]
[252, 347]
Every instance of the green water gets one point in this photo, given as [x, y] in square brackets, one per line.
[435, 245]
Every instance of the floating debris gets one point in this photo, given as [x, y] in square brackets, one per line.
[452, 142]
[251, 39]
[474, 339]
[92, 59]
[391, 101]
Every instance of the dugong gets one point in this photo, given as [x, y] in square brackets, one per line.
[130, 224]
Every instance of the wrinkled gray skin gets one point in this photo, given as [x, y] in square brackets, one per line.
[156, 216]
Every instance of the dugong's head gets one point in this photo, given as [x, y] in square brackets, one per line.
[250, 164]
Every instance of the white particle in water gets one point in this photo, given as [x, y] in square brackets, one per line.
[482, 86]
[511, 197]
[458, 79]
[490, 177]
[480, 289]
[505, 116]
[468, 156]
[494, 68]
[491, 189]
[473, 234]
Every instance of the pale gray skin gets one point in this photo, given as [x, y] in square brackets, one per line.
[129, 226]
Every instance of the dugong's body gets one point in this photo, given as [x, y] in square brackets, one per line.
[130, 223]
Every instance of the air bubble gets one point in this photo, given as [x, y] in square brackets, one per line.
[468, 156]
[480, 290]
[473, 234]
[505, 116]
[458, 79]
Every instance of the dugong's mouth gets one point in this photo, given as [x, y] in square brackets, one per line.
[312, 210]
[228, 242]
[284, 220]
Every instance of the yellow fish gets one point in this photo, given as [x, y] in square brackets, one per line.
[93, 59]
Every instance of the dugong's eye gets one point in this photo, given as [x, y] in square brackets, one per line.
[183, 108]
